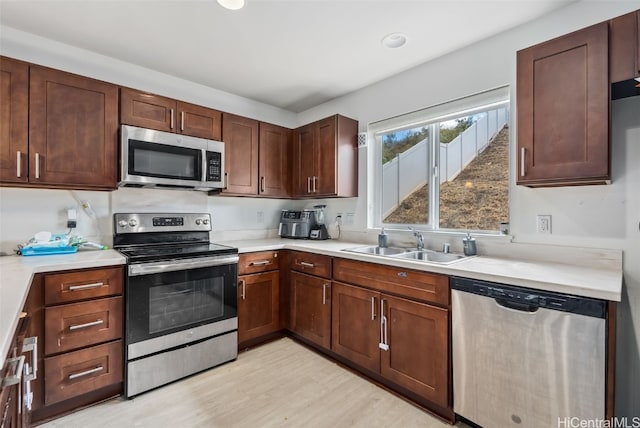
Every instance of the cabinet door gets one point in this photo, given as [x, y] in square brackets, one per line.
[563, 110]
[258, 305]
[199, 121]
[14, 124]
[355, 325]
[304, 159]
[73, 127]
[624, 47]
[324, 180]
[147, 110]
[240, 136]
[274, 170]
[311, 308]
[418, 356]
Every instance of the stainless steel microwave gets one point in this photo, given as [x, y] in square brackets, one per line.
[150, 158]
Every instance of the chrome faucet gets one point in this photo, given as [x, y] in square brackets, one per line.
[419, 238]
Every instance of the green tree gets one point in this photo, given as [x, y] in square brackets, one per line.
[392, 144]
[449, 134]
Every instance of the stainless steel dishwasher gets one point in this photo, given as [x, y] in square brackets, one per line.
[526, 358]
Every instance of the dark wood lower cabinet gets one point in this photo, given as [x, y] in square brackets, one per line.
[311, 308]
[418, 354]
[258, 305]
[355, 321]
[409, 346]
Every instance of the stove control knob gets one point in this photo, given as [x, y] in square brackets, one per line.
[198, 221]
[205, 221]
[133, 222]
[123, 223]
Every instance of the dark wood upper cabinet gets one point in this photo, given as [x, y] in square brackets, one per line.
[305, 147]
[73, 127]
[624, 47]
[325, 158]
[166, 114]
[563, 110]
[14, 121]
[240, 136]
[274, 170]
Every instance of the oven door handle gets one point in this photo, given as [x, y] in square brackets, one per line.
[182, 264]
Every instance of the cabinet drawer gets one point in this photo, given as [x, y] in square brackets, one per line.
[81, 285]
[424, 286]
[258, 262]
[77, 325]
[76, 373]
[313, 264]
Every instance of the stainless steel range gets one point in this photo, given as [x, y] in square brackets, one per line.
[180, 298]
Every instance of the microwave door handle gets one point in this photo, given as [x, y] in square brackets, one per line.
[177, 265]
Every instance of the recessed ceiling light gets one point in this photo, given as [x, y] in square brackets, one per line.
[232, 4]
[394, 40]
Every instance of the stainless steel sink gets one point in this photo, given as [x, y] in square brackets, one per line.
[380, 251]
[430, 256]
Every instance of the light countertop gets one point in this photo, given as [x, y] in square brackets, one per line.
[596, 280]
[16, 274]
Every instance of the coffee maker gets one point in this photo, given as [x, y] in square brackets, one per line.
[319, 231]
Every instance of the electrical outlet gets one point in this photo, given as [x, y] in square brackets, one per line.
[543, 224]
[72, 218]
[260, 217]
[348, 221]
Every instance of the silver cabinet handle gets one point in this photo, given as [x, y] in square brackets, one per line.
[30, 344]
[244, 288]
[86, 286]
[85, 325]
[308, 184]
[315, 180]
[309, 265]
[523, 152]
[373, 309]
[85, 373]
[18, 164]
[260, 263]
[13, 379]
[182, 121]
[171, 114]
[263, 184]
[324, 294]
[37, 165]
[383, 328]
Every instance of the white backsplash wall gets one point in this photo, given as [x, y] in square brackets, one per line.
[24, 212]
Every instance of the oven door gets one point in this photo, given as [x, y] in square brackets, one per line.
[170, 303]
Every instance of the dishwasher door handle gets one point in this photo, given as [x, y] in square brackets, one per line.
[520, 307]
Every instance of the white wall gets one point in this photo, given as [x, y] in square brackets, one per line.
[589, 216]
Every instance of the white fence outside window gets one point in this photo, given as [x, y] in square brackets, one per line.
[407, 172]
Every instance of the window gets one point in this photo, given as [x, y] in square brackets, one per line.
[445, 167]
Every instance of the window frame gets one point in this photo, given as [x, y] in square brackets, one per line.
[433, 116]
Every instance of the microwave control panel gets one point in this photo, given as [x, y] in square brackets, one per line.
[214, 166]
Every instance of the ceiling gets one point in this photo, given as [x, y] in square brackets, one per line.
[293, 54]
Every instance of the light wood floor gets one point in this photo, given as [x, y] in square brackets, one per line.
[280, 384]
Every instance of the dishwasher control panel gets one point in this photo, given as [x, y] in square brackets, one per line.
[529, 300]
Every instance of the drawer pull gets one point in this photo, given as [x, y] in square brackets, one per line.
[309, 265]
[260, 263]
[86, 372]
[85, 325]
[15, 378]
[86, 286]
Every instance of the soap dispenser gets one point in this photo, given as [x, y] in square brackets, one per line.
[383, 241]
[469, 245]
